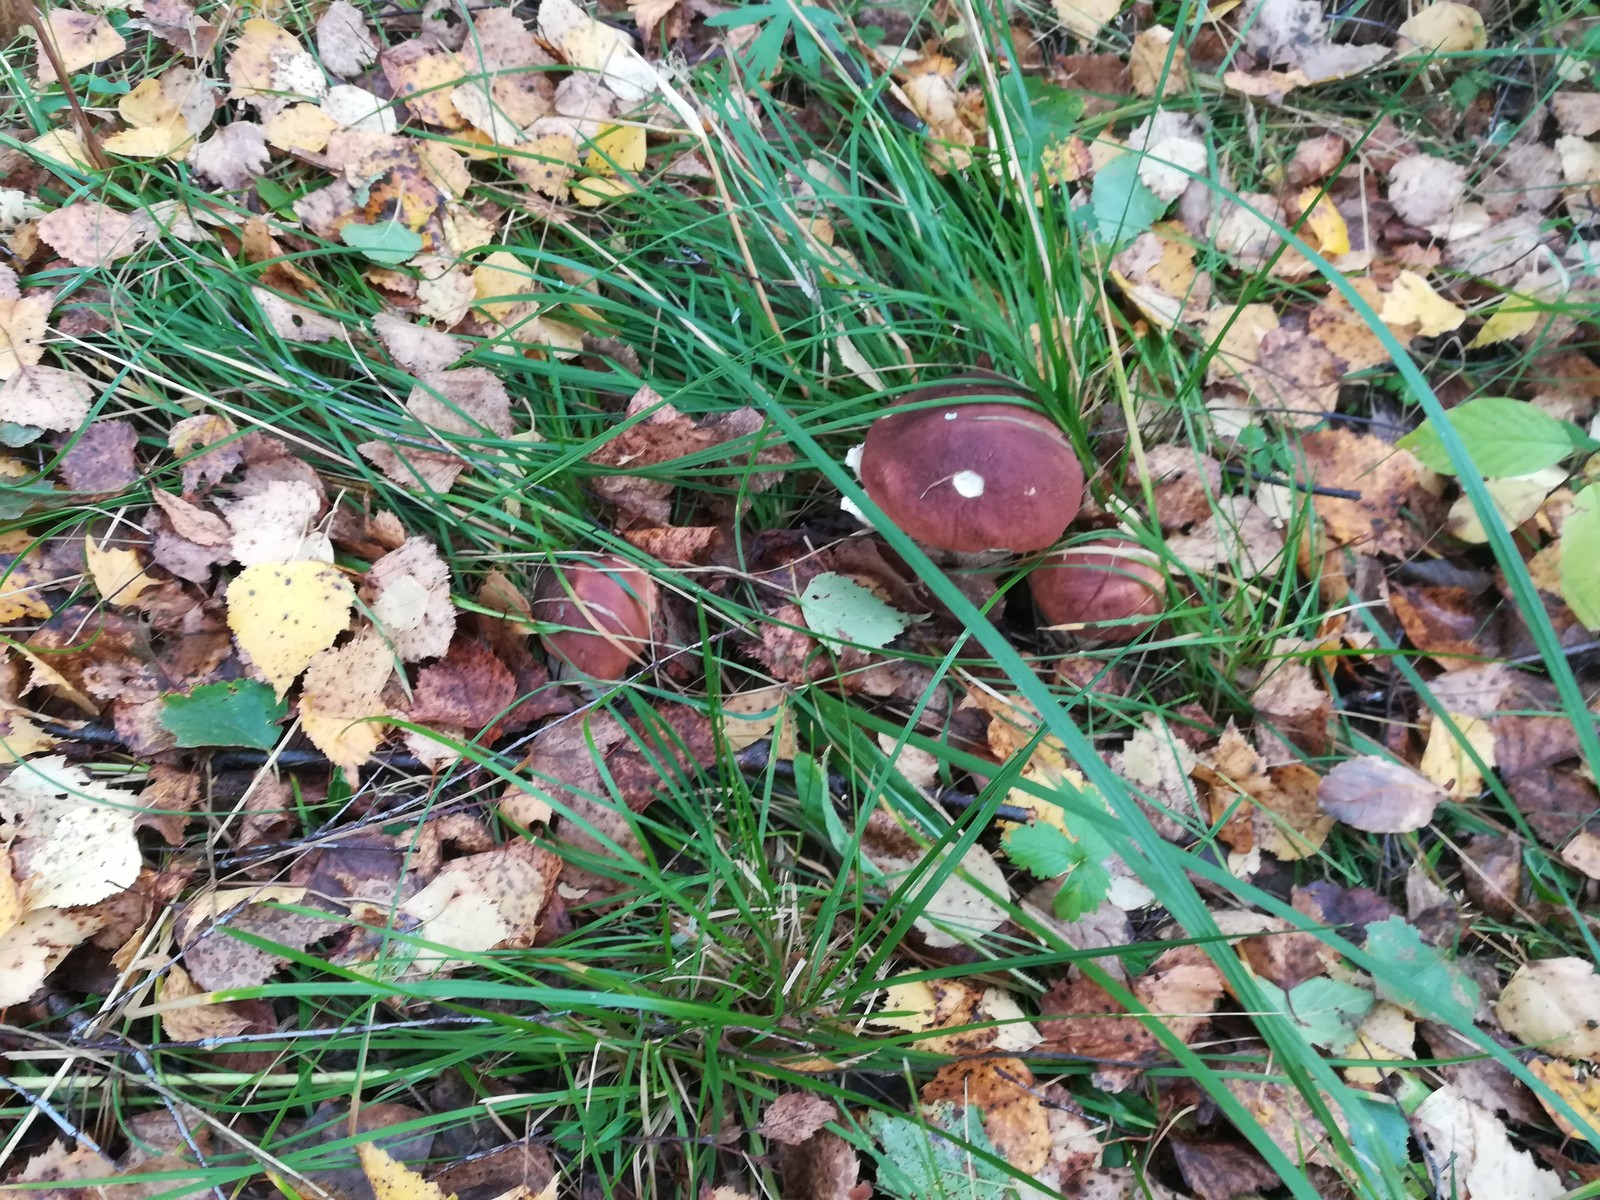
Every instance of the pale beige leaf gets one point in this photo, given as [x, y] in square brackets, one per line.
[75, 840]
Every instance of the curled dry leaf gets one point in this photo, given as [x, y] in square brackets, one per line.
[927, 1006]
[1379, 795]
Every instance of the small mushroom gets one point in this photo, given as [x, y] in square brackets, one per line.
[1102, 588]
[972, 475]
[605, 604]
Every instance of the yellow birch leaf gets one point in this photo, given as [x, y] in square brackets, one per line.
[284, 614]
[393, 1180]
[592, 193]
[1511, 319]
[1325, 222]
[118, 574]
[1086, 17]
[1445, 759]
[1412, 301]
[300, 127]
[165, 140]
[618, 148]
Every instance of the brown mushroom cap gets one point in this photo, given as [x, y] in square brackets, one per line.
[605, 602]
[971, 476]
[1112, 580]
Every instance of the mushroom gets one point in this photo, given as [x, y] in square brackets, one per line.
[605, 604]
[1102, 588]
[972, 475]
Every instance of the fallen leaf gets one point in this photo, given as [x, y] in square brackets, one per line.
[1412, 306]
[91, 234]
[1553, 1005]
[1579, 1088]
[422, 75]
[284, 614]
[957, 911]
[102, 459]
[1086, 18]
[270, 70]
[1379, 795]
[1001, 1089]
[1156, 64]
[412, 605]
[196, 1022]
[23, 323]
[295, 322]
[36, 944]
[74, 836]
[1442, 28]
[393, 1180]
[341, 705]
[118, 575]
[1474, 1154]
[344, 43]
[46, 398]
[81, 39]
[234, 157]
[1383, 477]
[594, 46]
[274, 525]
[794, 1116]
[1426, 190]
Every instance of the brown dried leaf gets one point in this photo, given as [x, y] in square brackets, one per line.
[1014, 1118]
[794, 1117]
[1382, 475]
[1379, 795]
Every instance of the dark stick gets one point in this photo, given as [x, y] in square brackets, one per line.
[1313, 489]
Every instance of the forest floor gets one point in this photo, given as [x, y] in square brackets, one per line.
[470, 731]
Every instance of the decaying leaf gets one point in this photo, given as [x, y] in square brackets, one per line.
[1379, 795]
[1554, 1005]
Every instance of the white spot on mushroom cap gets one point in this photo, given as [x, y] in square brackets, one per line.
[951, 415]
[968, 484]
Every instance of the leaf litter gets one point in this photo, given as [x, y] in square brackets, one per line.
[254, 609]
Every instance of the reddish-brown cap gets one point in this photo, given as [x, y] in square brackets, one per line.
[1113, 580]
[972, 475]
[605, 604]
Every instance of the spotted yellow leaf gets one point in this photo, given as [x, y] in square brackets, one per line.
[118, 574]
[393, 1180]
[284, 614]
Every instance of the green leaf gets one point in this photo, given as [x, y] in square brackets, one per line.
[1326, 1011]
[838, 608]
[917, 1163]
[1505, 438]
[1580, 558]
[240, 712]
[388, 244]
[1043, 851]
[1434, 982]
[1047, 853]
[1083, 890]
[1057, 110]
[1123, 206]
